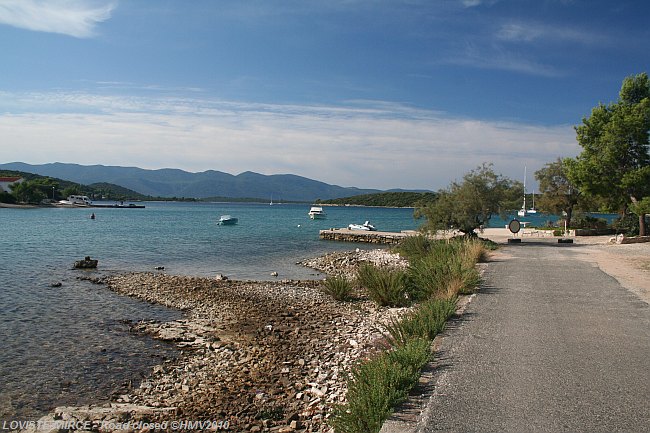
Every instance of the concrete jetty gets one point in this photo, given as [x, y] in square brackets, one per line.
[373, 237]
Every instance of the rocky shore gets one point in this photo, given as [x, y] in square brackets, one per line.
[263, 356]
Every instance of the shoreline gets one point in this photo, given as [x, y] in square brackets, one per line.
[273, 354]
[258, 354]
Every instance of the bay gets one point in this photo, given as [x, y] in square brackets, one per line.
[70, 345]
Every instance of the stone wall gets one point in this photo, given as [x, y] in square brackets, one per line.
[347, 235]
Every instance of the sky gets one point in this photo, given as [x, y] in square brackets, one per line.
[368, 93]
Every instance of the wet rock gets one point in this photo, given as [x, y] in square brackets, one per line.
[86, 263]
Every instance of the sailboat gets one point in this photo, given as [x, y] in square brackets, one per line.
[522, 212]
[532, 210]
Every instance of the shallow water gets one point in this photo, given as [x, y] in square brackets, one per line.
[70, 345]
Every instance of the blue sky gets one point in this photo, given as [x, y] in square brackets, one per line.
[374, 94]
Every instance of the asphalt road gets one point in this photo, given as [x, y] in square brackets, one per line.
[551, 344]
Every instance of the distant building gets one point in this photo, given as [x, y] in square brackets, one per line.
[6, 181]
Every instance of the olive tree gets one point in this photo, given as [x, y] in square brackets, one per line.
[559, 194]
[469, 204]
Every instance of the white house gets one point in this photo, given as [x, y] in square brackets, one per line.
[6, 181]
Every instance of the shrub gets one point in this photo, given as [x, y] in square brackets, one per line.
[338, 287]
[378, 385]
[385, 286]
[447, 271]
[424, 323]
[628, 224]
[5, 197]
[414, 247]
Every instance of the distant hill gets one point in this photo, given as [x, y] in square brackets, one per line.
[96, 191]
[179, 183]
[386, 199]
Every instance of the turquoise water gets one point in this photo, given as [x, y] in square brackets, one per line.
[70, 344]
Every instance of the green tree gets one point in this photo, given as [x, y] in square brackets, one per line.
[615, 162]
[470, 204]
[72, 190]
[29, 191]
[558, 192]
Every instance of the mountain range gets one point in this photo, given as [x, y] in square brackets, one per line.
[178, 183]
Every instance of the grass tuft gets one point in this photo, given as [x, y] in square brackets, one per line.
[338, 287]
[385, 286]
[424, 323]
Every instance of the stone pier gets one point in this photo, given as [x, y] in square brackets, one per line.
[373, 237]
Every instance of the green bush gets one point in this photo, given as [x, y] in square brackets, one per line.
[628, 224]
[424, 323]
[5, 197]
[582, 221]
[385, 286]
[448, 270]
[338, 287]
[378, 385]
[414, 247]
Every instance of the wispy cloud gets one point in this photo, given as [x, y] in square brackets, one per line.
[364, 143]
[499, 58]
[76, 18]
[529, 32]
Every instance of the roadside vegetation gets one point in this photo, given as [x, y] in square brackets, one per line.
[439, 272]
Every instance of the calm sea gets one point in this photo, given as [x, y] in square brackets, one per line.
[70, 344]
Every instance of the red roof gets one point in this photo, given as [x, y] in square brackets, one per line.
[9, 179]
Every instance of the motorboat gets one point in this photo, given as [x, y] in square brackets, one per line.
[317, 212]
[227, 220]
[365, 226]
[75, 200]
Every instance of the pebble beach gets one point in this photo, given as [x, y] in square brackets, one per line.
[253, 355]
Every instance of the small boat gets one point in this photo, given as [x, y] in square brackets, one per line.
[365, 226]
[227, 220]
[317, 212]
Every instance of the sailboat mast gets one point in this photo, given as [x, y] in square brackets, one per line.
[524, 206]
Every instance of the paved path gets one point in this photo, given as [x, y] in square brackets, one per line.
[551, 344]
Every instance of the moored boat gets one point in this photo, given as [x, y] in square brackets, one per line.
[317, 212]
[365, 226]
[227, 220]
[75, 200]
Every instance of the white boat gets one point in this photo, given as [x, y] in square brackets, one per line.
[532, 210]
[365, 226]
[317, 212]
[76, 200]
[523, 211]
[227, 220]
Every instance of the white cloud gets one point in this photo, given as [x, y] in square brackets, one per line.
[529, 32]
[497, 58]
[76, 18]
[374, 145]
